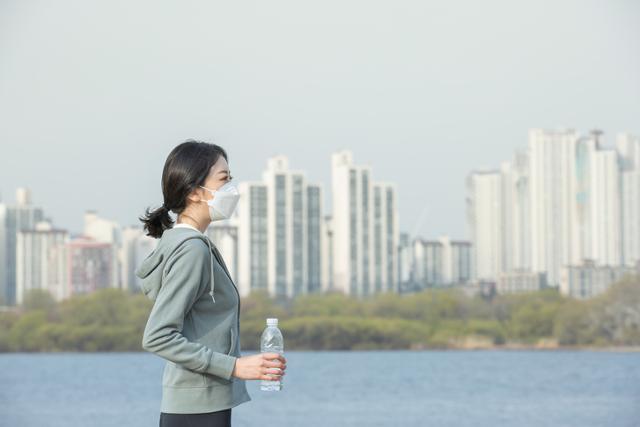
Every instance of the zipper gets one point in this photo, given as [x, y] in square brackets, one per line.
[224, 267]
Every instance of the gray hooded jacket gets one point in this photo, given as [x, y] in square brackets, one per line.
[194, 323]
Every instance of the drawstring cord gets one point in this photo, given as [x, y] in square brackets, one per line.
[211, 265]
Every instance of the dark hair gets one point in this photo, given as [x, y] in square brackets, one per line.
[186, 167]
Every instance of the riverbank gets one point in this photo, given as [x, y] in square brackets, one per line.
[113, 320]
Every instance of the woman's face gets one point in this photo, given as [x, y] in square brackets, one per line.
[219, 175]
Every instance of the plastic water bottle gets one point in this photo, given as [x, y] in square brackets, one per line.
[271, 342]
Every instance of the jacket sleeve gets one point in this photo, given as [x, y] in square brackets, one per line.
[185, 271]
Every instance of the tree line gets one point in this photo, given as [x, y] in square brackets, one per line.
[114, 320]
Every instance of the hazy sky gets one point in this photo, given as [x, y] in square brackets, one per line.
[94, 95]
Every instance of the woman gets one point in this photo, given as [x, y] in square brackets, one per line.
[195, 320]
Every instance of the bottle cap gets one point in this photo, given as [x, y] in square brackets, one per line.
[272, 321]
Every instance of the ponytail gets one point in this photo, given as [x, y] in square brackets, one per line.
[157, 221]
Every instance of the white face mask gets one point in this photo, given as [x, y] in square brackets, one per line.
[224, 201]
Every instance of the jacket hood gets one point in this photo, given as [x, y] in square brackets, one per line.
[150, 271]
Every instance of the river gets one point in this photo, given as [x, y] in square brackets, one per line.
[341, 388]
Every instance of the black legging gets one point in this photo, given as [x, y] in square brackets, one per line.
[207, 419]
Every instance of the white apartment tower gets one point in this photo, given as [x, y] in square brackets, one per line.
[385, 238]
[441, 262]
[555, 219]
[605, 208]
[485, 218]
[498, 207]
[253, 232]
[14, 218]
[429, 263]
[294, 212]
[365, 229]
[33, 258]
[456, 261]
[515, 211]
[576, 201]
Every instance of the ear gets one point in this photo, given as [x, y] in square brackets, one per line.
[196, 195]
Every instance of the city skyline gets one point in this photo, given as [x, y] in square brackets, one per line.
[563, 208]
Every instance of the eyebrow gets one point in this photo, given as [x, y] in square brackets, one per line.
[224, 171]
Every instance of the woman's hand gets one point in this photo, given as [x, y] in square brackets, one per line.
[261, 366]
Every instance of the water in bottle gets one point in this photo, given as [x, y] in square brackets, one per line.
[271, 342]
